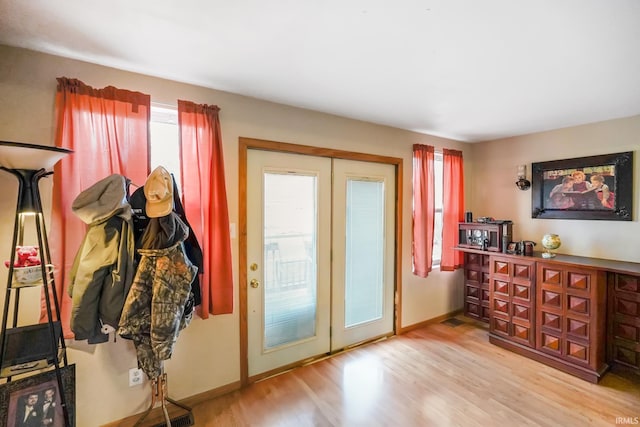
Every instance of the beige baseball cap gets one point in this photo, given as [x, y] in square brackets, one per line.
[158, 190]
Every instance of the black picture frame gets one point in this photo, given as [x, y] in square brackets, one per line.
[14, 393]
[554, 195]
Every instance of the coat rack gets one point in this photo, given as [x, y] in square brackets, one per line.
[159, 394]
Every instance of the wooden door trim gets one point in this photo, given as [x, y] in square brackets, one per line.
[246, 144]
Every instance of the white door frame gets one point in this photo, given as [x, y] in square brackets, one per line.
[316, 290]
[249, 143]
[343, 336]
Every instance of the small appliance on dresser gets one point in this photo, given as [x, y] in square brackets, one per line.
[491, 235]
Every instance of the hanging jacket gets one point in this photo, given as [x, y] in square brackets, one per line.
[191, 245]
[103, 268]
[153, 313]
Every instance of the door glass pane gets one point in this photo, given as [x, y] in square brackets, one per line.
[290, 291]
[364, 251]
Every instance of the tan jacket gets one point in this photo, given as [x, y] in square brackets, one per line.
[103, 269]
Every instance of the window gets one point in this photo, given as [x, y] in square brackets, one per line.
[164, 144]
[437, 226]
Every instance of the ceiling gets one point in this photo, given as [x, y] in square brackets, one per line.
[468, 70]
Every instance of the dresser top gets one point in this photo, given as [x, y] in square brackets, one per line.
[597, 263]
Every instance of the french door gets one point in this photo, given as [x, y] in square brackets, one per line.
[320, 255]
[363, 251]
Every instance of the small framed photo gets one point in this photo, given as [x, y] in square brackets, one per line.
[36, 400]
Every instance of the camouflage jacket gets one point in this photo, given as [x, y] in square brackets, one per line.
[153, 312]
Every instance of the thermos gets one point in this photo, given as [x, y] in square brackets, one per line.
[505, 243]
[528, 247]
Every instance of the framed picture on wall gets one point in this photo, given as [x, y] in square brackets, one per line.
[596, 187]
[35, 400]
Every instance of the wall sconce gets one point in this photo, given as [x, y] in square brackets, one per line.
[523, 183]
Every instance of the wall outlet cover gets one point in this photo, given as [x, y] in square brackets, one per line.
[135, 377]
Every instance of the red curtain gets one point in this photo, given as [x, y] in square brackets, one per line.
[205, 202]
[107, 129]
[423, 209]
[452, 208]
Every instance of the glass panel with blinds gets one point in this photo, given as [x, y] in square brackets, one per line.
[364, 272]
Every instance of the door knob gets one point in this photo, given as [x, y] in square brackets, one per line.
[254, 283]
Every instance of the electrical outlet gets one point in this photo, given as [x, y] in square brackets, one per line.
[135, 377]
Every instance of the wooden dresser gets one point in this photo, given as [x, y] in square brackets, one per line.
[476, 286]
[512, 299]
[580, 315]
[624, 320]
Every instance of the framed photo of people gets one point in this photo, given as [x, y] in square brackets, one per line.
[36, 401]
[596, 187]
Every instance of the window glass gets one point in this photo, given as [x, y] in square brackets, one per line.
[164, 148]
[437, 227]
[364, 263]
[290, 292]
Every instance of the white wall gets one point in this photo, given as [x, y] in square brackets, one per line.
[493, 192]
[207, 353]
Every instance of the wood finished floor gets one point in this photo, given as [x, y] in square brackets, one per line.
[438, 375]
